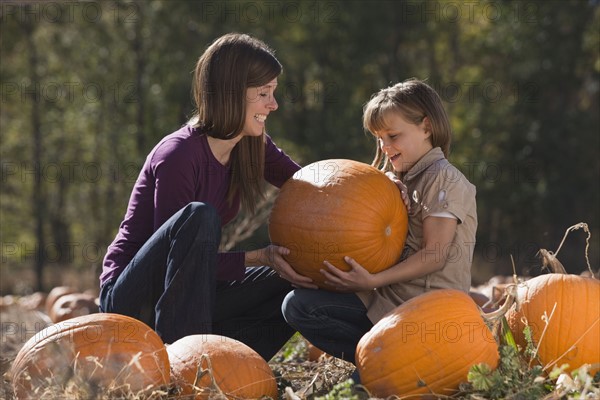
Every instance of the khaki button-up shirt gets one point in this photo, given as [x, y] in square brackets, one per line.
[434, 186]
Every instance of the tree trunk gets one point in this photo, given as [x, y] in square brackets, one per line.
[38, 205]
[140, 61]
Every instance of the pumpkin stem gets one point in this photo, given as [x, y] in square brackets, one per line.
[511, 298]
[549, 258]
[550, 261]
[514, 276]
[494, 319]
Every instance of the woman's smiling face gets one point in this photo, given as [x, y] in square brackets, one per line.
[260, 101]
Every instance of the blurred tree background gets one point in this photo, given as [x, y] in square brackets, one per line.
[88, 88]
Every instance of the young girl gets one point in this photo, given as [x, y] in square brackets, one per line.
[163, 267]
[413, 139]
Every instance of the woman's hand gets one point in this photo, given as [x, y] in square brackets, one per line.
[402, 187]
[356, 280]
[272, 256]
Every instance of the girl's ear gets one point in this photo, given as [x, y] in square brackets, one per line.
[427, 125]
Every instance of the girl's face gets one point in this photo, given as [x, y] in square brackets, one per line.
[260, 101]
[404, 143]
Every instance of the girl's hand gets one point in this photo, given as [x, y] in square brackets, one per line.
[272, 256]
[356, 280]
[402, 187]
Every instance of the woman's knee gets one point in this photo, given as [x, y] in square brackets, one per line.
[203, 212]
[205, 219]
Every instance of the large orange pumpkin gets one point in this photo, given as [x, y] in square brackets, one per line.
[426, 345]
[108, 353]
[571, 305]
[336, 208]
[211, 365]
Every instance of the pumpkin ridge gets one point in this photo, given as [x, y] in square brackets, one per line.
[556, 333]
[564, 313]
[574, 345]
[384, 198]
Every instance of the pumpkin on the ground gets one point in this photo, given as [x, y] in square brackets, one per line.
[97, 353]
[213, 365]
[34, 301]
[571, 306]
[56, 293]
[425, 346]
[336, 208]
[315, 353]
[73, 305]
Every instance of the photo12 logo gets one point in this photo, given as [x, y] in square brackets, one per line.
[450, 332]
[489, 92]
[472, 11]
[67, 252]
[68, 11]
[68, 171]
[270, 11]
[68, 92]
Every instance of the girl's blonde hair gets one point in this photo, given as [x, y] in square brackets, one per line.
[413, 100]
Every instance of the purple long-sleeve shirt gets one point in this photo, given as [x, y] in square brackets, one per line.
[180, 169]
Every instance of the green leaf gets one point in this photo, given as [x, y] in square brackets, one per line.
[481, 377]
[509, 339]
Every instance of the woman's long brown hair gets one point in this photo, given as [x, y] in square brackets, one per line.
[229, 66]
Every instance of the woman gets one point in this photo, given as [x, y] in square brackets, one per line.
[164, 267]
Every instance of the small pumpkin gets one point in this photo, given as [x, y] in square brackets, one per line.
[212, 365]
[315, 353]
[56, 293]
[73, 305]
[34, 302]
[571, 306]
[109, 353]
[335, 208]
[425, 346]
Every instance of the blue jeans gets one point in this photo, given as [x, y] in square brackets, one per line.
[333, 322]
[170, 285]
